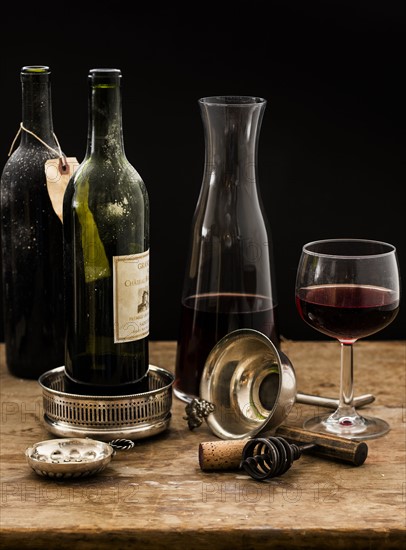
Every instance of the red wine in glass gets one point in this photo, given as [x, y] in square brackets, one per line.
[347, 311]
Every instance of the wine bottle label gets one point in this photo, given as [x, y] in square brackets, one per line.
[58, 177]
[131, 297]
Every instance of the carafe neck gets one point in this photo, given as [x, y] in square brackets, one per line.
[231, 128]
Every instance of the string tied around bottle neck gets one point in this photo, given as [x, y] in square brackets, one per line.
[58, 152]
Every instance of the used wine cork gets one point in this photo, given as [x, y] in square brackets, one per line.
[221, 455]
[226, 455]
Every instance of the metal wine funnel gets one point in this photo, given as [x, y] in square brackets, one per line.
[251, 384]
[249, 387]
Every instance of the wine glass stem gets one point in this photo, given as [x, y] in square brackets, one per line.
[347, 380]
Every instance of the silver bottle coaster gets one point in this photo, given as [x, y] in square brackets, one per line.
[105, 418]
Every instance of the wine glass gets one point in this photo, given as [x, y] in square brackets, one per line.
[348, 289]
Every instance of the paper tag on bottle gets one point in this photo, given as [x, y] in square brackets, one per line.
[58, 176]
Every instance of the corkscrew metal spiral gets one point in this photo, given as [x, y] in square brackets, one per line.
[264, 458]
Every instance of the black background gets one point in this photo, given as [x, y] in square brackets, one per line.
[332, 147]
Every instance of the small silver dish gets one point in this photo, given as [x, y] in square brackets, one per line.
[69, 458]
[107, 417]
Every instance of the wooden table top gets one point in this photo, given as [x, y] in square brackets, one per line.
[156, 496]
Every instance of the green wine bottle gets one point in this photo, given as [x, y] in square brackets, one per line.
[106, 253]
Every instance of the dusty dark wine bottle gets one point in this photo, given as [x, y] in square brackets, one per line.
[106, 247]
[32, 241]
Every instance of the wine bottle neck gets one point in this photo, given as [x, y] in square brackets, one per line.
[36, 105]
[231, 127]
[105, 136]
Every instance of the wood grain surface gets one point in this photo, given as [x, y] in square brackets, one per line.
[156, 495]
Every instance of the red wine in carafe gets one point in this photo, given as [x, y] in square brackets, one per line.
[207, 318]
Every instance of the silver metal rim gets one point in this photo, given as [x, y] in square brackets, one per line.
[134, 433]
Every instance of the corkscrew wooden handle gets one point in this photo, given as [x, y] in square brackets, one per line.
[226, 455]
[329, 446]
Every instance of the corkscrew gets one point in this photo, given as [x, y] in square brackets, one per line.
[271, 456]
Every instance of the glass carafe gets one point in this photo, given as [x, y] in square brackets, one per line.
[229, 281]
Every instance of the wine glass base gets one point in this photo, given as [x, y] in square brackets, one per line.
[351, 427]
